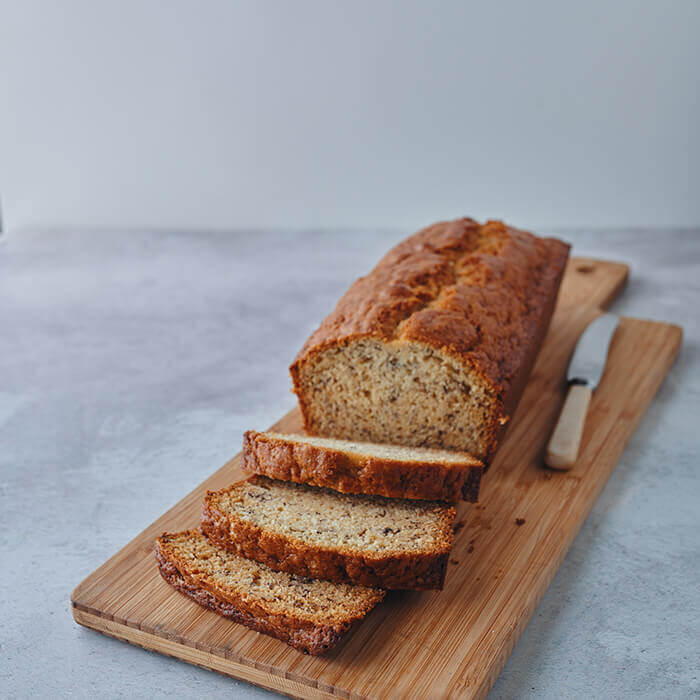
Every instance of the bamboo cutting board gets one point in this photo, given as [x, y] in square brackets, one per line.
[507, 547]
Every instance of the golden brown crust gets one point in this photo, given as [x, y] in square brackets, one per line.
[412, 571]
[355, 474]
[482, 293]
[301, 634]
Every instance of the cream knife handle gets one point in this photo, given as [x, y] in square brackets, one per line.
[563, 446]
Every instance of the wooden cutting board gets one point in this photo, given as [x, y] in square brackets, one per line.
[507, 547]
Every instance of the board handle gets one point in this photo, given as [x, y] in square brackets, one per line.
[564, 444]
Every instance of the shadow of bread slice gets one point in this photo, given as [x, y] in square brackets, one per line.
[362, 467]
[319, 533]
[311, 616]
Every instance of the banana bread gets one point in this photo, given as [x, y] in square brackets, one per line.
[317, 533]
[434, 347]
[356, 467]
[311, 616]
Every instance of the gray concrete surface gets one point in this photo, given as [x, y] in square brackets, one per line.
[130, 364]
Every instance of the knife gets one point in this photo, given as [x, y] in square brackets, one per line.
[583, 375]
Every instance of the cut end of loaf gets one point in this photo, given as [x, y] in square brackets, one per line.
[405, 393]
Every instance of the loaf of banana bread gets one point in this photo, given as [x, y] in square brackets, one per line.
[434, 347]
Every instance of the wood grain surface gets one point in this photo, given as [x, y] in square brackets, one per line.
[507, 547]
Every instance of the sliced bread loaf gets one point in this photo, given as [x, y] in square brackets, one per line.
[434, 347]
[318, 533]
[311, 616]
[361, 467]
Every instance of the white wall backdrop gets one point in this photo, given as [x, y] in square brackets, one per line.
[249, 114]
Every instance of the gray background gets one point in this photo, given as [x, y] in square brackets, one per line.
[369, 113]
[130, 367]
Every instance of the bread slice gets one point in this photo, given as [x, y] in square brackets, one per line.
[318, 533]
[360, 467]
[311, 616]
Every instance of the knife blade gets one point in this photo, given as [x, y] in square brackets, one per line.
[584, 374]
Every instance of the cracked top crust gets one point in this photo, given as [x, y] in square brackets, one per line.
[477, 291]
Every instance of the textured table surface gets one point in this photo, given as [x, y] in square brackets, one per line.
[131, 364]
